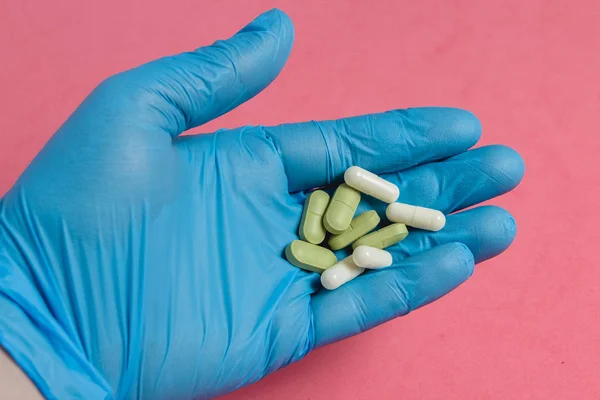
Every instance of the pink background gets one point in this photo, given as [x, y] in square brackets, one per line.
[526, 326]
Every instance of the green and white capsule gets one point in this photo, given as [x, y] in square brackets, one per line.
[309, 256]
[384, 237]
[371, 257]
[359, 226]
[311, 225]
[371, 184]
[342, 272]
[415, 216]
[341, 209]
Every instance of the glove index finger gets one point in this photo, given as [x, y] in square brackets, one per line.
[317, 153]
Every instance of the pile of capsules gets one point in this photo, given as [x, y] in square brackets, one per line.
[335, 215]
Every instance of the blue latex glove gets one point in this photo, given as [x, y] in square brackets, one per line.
[135, 263]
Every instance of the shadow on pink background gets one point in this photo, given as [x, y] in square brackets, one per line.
[526, 326]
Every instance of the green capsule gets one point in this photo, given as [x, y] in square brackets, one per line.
[309, 256]
[311, 226]
[359, 226]
[384, 237]
[341, 209]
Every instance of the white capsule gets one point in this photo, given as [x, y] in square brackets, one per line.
[369, 183]
[371, 257]
[342, 272]
[415, 216]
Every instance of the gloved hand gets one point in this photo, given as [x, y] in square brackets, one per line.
[137, 263]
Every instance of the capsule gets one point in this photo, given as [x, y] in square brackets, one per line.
[342, 272]
[384, 237]
[341, 209]
[415, 216]
[309, 256]
[311, 225]
[371, 257]
[371, 184]
[359, 226]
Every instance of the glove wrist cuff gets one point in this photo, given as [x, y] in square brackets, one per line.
[39, 345]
